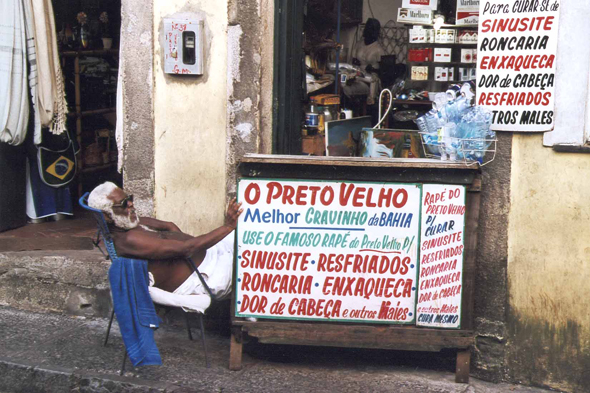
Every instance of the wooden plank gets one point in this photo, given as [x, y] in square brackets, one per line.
[358, 336]
[357, 173]
[469, 263]
[359, 161]
[235, 349]
[463, 363]
[91, 52]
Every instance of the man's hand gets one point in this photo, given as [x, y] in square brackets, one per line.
[233, 212]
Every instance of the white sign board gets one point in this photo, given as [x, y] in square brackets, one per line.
[425, 4]
[408, 15]
[441, 256]
[327, 250]
[516, 63]
[467, 13]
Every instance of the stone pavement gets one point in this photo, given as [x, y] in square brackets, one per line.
[42, 352]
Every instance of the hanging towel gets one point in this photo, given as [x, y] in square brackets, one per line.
[14, 100]
[135, 310]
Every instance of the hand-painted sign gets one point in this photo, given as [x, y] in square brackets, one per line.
[467, 12]
[327, 250]
[441, 256]
[516, 63]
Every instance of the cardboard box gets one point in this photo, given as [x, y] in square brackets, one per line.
[466, 55]
[445, 36]
[419, 73]
[441, 74]
[451, 73]
[442, 55]
[466, 74]
[417, 35]
[419, 55]
[326, 99]
[467, 37]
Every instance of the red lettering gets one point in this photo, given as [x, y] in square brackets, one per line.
[359, 194]
[301, 194]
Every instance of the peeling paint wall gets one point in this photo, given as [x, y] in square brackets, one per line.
[249, 73]
[190, 123]
[549, 267]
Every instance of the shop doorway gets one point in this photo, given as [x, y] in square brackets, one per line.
[310, 63]
[88, 35]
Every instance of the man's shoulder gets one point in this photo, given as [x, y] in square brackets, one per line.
[129, 235]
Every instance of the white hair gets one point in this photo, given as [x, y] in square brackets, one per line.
[98, 198]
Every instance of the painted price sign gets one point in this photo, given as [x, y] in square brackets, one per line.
[517, 45]
[328, 250]
[441, 256]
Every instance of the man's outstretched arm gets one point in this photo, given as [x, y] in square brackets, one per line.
[146, 245]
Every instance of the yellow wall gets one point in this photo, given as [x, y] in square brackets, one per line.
[190, 125]
[549, 259]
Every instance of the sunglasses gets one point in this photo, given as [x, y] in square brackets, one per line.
[125, 202]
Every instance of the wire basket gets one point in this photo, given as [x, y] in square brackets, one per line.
[469, 150]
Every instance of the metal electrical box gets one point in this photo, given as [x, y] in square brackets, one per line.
[183, 46]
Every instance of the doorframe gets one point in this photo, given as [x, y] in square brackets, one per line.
[289, 76]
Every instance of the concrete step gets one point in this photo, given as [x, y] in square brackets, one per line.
[43, 352]
[72, 282]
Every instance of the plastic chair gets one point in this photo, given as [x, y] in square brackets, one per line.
[107, 240]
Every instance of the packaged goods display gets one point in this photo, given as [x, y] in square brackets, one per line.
[457, 131]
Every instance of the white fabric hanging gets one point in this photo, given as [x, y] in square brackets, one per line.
[14, 100]
[51, 102]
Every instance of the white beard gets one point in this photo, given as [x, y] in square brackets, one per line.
[125, 222]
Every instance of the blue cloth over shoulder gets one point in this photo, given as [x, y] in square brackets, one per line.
[135, 310]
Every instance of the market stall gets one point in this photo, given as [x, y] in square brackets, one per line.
[356, 252]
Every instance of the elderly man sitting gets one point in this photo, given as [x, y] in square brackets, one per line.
[166, 248]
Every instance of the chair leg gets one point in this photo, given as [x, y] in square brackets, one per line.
[106, 339]
[124, 361]
[188, 327]
[203, 339]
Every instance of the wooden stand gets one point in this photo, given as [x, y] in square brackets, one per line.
[358, 335]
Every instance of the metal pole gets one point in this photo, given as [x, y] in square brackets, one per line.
[337, 78]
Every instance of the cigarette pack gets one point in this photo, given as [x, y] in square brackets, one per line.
[441, 74]
[445, 36]
[467, 37]
[442, 55]
[419, 73]
[417, 35]
[466, 55]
